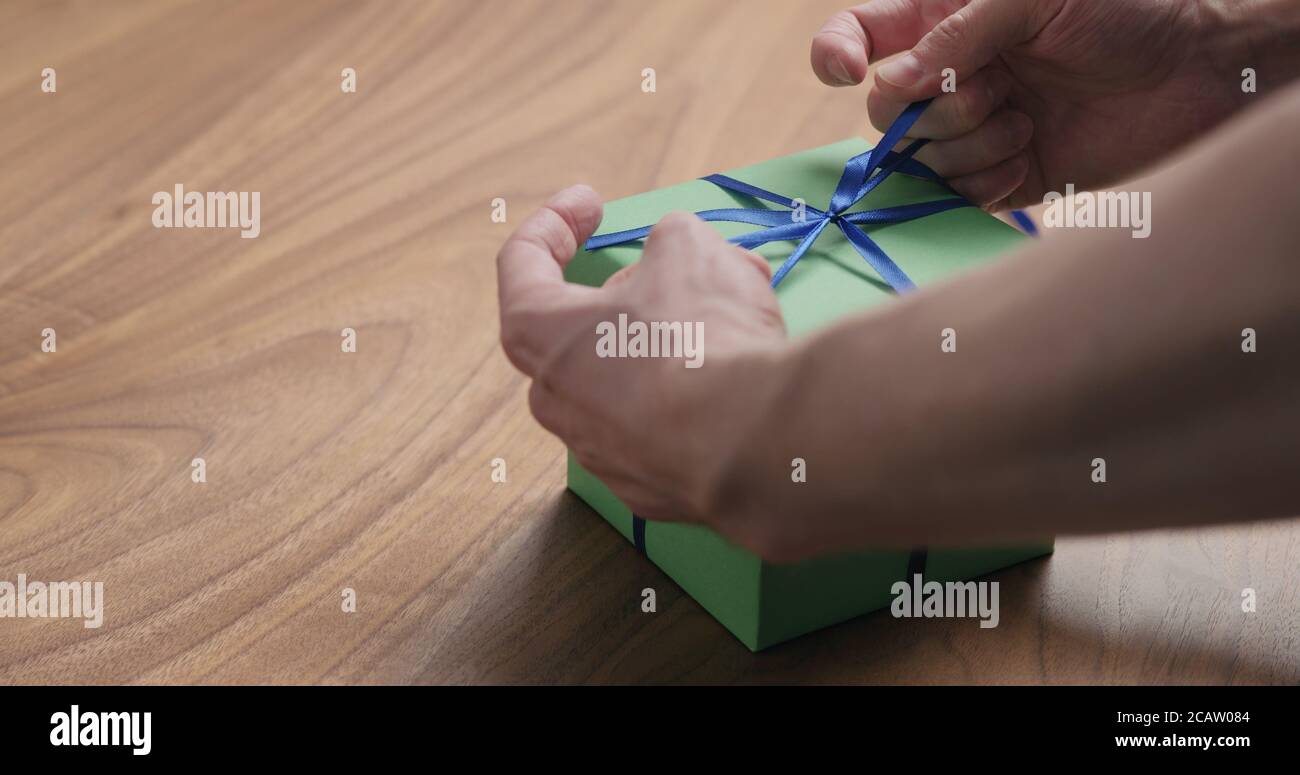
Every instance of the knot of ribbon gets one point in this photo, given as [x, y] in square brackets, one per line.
[862, 174]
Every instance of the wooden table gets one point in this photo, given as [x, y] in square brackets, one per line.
[371, 470]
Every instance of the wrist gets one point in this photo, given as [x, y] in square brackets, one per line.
[738, 422]
[1255, 34]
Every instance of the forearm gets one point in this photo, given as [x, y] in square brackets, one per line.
[1085, 345]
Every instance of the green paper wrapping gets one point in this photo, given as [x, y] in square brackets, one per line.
[763, 603]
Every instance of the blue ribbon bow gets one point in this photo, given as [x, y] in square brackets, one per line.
[862, 174]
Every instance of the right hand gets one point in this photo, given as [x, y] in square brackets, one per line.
[1048, 92]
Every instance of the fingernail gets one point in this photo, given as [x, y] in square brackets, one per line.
[904, 71]
[838, 71]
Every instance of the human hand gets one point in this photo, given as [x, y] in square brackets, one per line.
[1049, 92]
[655, 432]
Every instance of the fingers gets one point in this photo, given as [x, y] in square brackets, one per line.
[530, 276]
[680, 236]
[839, 51]
[964, 41]
[692, 249]
[531, 262]
[990, 188]
[1005, 134]
[850, 39]
[951, 114]
[684, 236]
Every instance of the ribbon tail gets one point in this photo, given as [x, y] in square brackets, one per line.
[616, 238]
[769, 218]
[741, 187]
[1025, 222]
[742, 215]
[798, 253]
[883, 264]
[903, 213]
[786, 231]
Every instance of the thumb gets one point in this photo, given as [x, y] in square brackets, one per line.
[964, 41]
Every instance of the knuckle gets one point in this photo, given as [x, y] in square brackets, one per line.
[843, 25]
[537, 404]
[843, 22]
[512, 340]
[555, 232]
[543, 407]
[537, 399]
[951, 32]
[514, 327]
[518, 329]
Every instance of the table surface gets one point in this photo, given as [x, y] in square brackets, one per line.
[371, 470]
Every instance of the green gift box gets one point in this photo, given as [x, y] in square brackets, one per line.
[764, 603]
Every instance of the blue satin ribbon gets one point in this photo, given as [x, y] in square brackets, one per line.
[1025, 222]
[862, 174]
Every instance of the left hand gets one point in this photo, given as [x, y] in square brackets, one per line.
[655, 432]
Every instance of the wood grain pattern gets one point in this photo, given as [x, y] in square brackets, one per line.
[372, 470]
